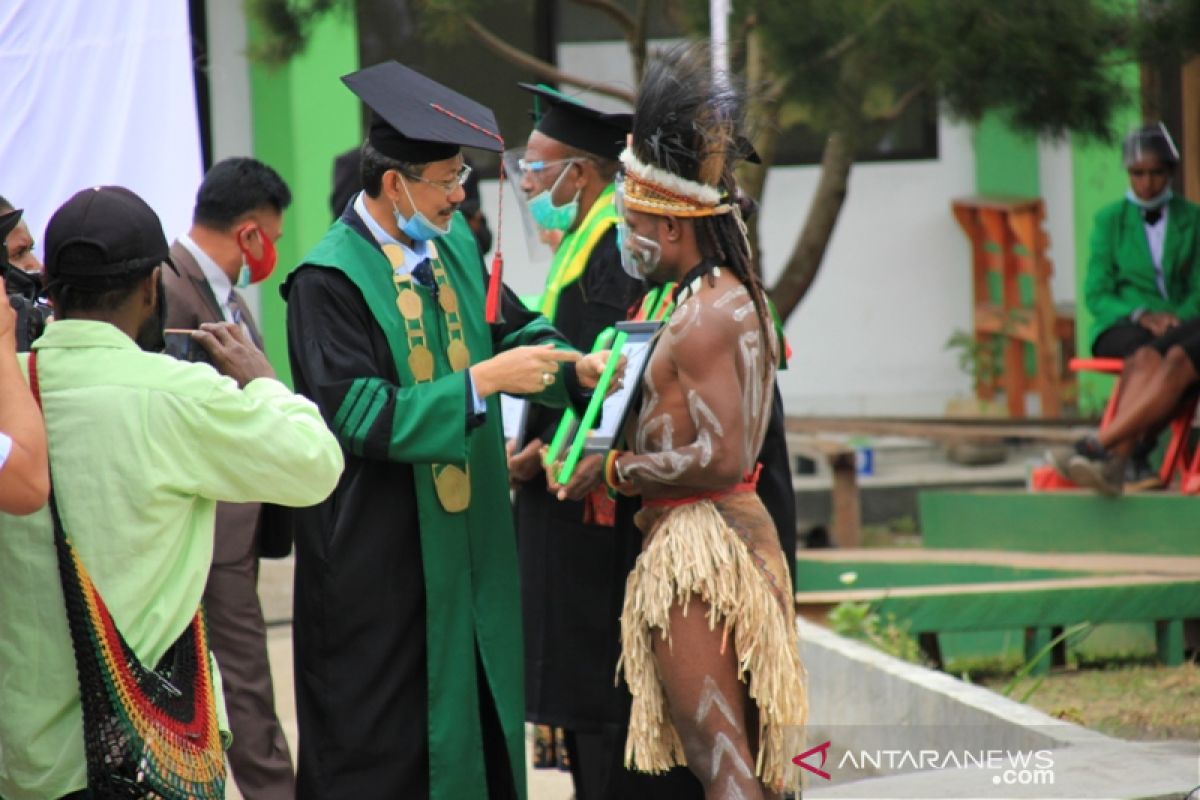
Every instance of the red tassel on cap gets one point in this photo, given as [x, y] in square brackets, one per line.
[493, 290]
[492, 309]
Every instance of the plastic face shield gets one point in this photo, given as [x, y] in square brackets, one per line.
[539, 249]
[639, 255]
[1151, 141]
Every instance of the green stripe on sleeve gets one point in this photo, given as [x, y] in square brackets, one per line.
[348, 403]
[372, 405]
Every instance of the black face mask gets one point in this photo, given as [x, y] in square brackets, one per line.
[150, 336]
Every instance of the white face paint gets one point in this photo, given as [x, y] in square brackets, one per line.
[752, 394]
[711, 697]
[664, 467]
[744, 311]
[733, 791]
[702, 415]
[684, 317]
[725, 751]
[657, 434]
[731, 295]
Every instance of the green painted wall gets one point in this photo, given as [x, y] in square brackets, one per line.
[1006, 163]
[303, 117]
[1098, 181]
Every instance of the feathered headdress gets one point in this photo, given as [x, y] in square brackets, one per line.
[686, 138]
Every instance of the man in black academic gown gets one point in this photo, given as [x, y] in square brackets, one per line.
[407, 611]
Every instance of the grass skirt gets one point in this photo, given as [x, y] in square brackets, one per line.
[726, 553]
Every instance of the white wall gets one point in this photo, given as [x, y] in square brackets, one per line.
[869, 337]
[95, 94]
[230, 102]
[1056, 177]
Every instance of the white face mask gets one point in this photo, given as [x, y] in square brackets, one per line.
[1158, 201]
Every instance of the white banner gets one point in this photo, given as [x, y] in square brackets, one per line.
[98, 92]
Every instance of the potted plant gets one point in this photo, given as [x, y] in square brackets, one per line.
[983, 363]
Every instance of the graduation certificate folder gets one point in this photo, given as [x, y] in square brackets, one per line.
[607, 414]
[515, 413]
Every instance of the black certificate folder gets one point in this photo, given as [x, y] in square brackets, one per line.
[636, 340]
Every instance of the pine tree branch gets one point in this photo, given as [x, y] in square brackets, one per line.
[623, 18]
[902, 104]
[851, 41]
[543, 69]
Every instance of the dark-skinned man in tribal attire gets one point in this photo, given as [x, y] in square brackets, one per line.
[576, 548]
[407, 622]
[573, 562]
[709, 644]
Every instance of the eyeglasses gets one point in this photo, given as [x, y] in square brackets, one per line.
[1157, 172]
[535, 168]
[449, 185]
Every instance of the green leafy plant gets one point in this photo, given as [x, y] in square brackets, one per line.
[863, 622]
[981, 359]
[1081, 630]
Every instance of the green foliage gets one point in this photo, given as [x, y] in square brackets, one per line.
[1081, 629]
[284, 26]
[1044, 67]
[981, 360]
[861, 621]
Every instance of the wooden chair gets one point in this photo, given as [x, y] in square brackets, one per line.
[1007, 241]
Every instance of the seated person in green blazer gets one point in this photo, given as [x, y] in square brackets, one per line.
[1142, 278]
[1143, 289]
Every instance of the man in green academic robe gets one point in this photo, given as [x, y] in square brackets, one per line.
[407, 610]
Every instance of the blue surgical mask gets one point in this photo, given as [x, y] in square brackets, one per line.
[1158, 201]
[417, 227]
[243, 278]
[550, 217]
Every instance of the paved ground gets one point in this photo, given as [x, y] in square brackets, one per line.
[275, 589]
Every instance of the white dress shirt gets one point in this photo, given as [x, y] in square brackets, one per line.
[1156, 235]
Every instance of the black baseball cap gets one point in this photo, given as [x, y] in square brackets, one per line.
[8, 221]
[566, 120]
[418, 120]
[102, 237]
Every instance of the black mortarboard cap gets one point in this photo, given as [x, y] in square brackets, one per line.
[418, 120]
[569, 121]
[8, 221]
[101, 237]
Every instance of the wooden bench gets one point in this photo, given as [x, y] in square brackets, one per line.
[845, 523]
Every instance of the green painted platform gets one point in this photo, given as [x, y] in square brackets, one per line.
[1021, 599]
[1158, 523]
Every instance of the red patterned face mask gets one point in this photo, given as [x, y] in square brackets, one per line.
[261, 267]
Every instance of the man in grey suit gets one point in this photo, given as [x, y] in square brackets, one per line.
[237, 219]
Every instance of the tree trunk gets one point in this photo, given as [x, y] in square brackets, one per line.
[765, 101]
[801, 268]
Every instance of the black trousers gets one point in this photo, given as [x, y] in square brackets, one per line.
[1124, 338]
[598, 771]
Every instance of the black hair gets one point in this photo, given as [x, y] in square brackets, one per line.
[375, 164]
[235, 187]
[67, 297]
[691, 123]
[6, 206]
